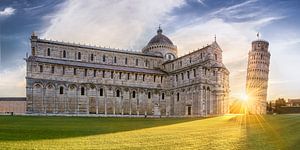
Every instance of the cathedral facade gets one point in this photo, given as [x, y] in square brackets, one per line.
[65, 78]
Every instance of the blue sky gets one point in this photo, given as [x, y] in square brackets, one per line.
[130, 24]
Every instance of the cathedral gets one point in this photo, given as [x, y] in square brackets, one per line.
[72, 79]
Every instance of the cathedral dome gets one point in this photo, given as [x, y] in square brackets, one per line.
[160, 38]
[161, 45]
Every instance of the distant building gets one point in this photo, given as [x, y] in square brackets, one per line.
[66, 78]
[12, 105]
[293, 103]
[257, 76]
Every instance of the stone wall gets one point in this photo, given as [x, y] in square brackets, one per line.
[13, 105]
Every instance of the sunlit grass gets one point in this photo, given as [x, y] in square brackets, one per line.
[226, 132]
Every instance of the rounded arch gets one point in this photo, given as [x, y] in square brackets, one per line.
[169, 56]
[91, 86]
[38, 85]
[72, 87]
[158, 54]
[50, 86]
[208, 88]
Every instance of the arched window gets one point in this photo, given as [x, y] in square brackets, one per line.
[41, 68]
[63, 70]
[85, 72]
[136, 62]
[177, 97]
[64, 54]
[33, 51]
[92, 57]
[125, 61]
[82, 91]
[79, 55]
[74, 71]
[48, 52]
[52, 69]
[149, 95]
[120, 75]
[101, 92]
[163, 96]
[133, 94]
[111, 74]
[61, 90]
[103, 58]
[115, 59]
[118, 93]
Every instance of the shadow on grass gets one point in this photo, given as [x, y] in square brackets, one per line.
[16, 128]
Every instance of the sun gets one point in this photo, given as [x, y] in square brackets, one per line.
[244, 97]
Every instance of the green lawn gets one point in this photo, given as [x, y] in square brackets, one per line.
[226, 132]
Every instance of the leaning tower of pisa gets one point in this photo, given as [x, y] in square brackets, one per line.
[257, 76]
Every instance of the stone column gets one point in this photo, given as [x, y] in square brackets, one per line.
[206, 102]
[130, 105]
[77, 99]
[105, 99]
[97, 101]
[43, 100]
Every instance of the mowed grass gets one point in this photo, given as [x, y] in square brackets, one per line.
[225, 132]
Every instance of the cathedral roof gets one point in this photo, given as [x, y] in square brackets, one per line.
[160, 38]
[95, 65]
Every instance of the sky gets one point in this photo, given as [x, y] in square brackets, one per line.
[130, 24]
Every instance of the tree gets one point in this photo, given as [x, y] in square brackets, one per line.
[279, 103]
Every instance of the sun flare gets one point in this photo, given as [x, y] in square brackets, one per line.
[244, 97]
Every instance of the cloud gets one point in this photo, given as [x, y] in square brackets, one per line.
[234, 38]
[7, 11]
[120, 24]
[130, 24]
[12, 82]
[201, 2]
